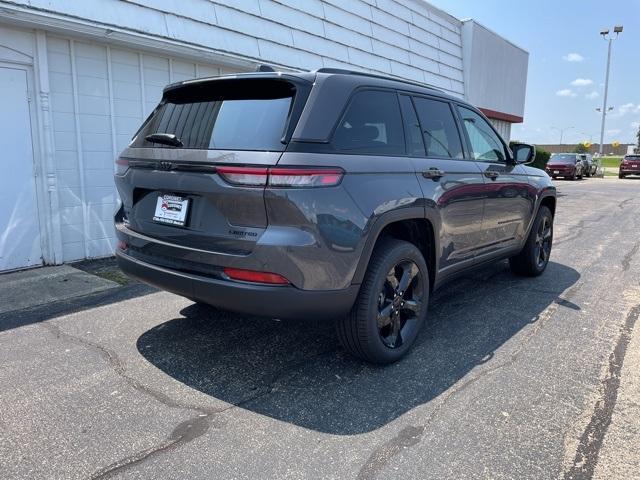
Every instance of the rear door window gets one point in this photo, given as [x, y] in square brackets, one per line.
[371, 125]
[439, 130]
[236, 118]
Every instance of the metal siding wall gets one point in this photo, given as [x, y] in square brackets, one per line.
[407, 38]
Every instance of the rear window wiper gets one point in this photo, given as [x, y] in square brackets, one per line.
[164, 138]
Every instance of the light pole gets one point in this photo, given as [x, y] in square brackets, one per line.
[605, 34]
[562, 130]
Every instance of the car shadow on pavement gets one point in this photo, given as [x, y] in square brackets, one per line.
[296, 372]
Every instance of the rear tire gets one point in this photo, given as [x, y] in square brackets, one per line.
[620, 176]
[534, 257]
[391, 306]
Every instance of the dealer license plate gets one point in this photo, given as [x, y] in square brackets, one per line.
[556, 172]
[171, 209]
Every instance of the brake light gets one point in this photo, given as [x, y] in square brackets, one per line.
[281, 176]
[305, 177]
[122, 165]
[249, 176]
[256, 277]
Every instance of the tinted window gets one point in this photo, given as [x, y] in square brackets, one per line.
[415, 145]
[372, 124]
[441, 138]
[485, 143]
[238, 119]
[562, 158]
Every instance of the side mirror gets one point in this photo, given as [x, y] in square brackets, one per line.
[523, 152]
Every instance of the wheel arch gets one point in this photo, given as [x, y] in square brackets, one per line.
[409, 224]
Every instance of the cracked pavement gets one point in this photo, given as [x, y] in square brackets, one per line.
[511, 378]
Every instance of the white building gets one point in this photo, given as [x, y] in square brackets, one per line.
[77, 78]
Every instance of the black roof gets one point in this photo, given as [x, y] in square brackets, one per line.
[350, 77]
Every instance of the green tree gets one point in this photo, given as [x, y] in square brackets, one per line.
[580, 148]
[638, 137]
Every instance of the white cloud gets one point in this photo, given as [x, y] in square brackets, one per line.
[573, 57]
[582, 82]
[613, 131]
[627, 108]
[592, 95]
[635, 126]
[566, 92]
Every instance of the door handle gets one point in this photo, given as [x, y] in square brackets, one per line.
[433, 173]
[492, 174]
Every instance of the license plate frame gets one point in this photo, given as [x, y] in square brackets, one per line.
[556, 172]
[171, 209]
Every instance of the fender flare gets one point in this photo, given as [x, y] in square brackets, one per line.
[406, 213]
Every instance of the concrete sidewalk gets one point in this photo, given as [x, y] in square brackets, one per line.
[39, 286]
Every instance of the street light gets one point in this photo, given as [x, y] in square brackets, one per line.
[562, 130]
[605, 35]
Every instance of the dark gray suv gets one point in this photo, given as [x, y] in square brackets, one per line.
[328, 194]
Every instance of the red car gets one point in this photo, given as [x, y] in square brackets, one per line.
[567, 165]
[630, 166]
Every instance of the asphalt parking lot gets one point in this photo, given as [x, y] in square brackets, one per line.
[512, 378]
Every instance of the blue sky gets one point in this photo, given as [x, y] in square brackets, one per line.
[567, 59]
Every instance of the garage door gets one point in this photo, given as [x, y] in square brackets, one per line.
[19, 228]
[99, 97]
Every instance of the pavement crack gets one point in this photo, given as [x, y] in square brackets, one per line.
[185, 431]
[586, 457]
[626, 261]
[412, 434]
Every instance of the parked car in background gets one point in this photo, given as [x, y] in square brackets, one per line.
[566, 165]
[630, 165]
[327, 194]
[589, 165]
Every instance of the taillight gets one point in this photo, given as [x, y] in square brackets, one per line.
[305, 177]
[249, 176]
[256, 277]
[281, 176]
[122, 165]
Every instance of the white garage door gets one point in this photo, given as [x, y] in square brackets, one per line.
[19, 229]
[99, 97]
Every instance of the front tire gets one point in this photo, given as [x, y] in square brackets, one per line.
[534, 257]
[391, 306]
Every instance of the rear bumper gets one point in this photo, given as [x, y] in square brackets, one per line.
[630, 171]
[253, 299]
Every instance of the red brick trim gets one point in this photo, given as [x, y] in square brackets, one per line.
[507, 117]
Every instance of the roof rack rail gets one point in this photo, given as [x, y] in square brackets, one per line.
[344, 71]
[264, 68]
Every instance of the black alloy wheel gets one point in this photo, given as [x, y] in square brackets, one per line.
[534, 256]
[543, 242]
[391, 306]
[399, 304]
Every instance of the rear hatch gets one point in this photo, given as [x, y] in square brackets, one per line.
[631, 162]
[195, 173]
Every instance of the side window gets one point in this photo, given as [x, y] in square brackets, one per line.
[485, 143]
[372, 125]
[441, 137]
[415, 145]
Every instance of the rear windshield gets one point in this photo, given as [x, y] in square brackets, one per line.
[562, 158]
[634, 158]
[230, 115]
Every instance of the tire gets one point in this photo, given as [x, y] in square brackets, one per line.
[554, 177]
[364, 332]
[620, 176]
[574, 176]
[534, 257]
